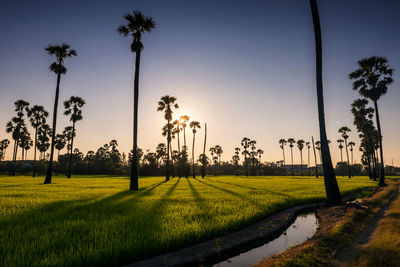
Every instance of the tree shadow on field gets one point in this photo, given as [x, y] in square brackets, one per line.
[114, 230]
[253, 188]
[229, 192]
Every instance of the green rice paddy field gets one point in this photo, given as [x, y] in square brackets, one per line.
[95, 220]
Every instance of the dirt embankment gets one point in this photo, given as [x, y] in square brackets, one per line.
[344, 233]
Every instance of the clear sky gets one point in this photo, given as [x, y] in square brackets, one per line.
[244, 67]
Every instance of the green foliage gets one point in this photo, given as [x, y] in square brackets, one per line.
[94, 220]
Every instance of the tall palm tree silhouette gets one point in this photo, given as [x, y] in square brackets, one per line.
[340, 142]
[212, 152]
[308, 157]
[204, 156]
[136, 25]
[166, 104]
[3, 148]
[73, 107]
[219, 151]
[252, 144]
[60, 52]
[245, 144]
[194, 125]
[282, 143]
[183, 119]
[260, 152]
[60, 144]
[344, 130]
[291, 141]
[351, 144]
[300, 145]
[331, 186]
[237, 158]
[37, 116]
[16, 126]
[176, 131]
[372, 79]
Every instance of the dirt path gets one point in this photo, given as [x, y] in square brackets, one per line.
[346, 255]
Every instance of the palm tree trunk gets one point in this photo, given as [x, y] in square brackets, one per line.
[34, 154]
[331, 186]
[378, 124]
[14, 158]
[179, 158]
[134, 183]
[50, 167]
[284, 162]
[72, 150]
[172, 160]
[291, 155]
[168, 144]
[309, 170]
[194, 173]
[301, 160]
[348, 160]
[203, 169]
[315, 157]
[245, 162]
[369, 167]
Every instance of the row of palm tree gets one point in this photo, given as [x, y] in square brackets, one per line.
[37, 116]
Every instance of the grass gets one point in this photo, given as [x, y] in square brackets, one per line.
[384, 247]
[95, 221]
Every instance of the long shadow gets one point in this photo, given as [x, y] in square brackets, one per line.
[253, 188]
[200, 201]
[73, 220]
[230, 192]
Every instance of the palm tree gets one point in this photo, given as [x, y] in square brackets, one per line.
[282, 143]
[308, 157]
[176, 131]
[351, 144]
[204, 159]
[136, 25]
[60, 52]
[291, 141]
[15, 126]
[372, 79]
[37, 116]
[44, 134]
[245, 144]
[194, 125]
[60, 143]
[331, 186]
[259, 153]
[73, 107]
[166, 104]
[161, 152]
[300, 145]
[212, 151]
[344, 130]
[340, 142]
[25, 142]
[3, 148]
[236, 159]
[252, 144]
[182, 120]
[219, 151]
[165, 129]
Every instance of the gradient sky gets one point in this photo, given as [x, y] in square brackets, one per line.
[244, 67]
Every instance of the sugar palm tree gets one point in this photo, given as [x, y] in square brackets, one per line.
[245, 144]
[371, 80]
[25, 141]
[37, 116]
[3, 148]
[308, 158]
[204, 159]
[219, 151]
[300, 146]
[236, 158]
[351, 144]
[166, 104]
[340, 142]
[291, 141]
[212, 151]
[73, 107]
[331, 186]
[60, 144]
[260, 152]
[344, 130]
[176, 131]
[194, 125]
[282, 143]
[60, 52]
[15, 126]
[183, 120]
[252, 144]
[136, 25]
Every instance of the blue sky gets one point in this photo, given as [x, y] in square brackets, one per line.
[244, 67]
